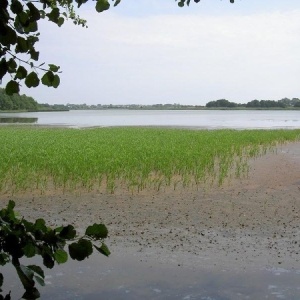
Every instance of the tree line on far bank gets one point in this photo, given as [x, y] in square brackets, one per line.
[284, 103]
[264, 104]
[18, 102]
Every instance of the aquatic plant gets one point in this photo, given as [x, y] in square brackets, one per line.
[34, 158]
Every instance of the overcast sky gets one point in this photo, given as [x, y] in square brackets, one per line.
[152, 51]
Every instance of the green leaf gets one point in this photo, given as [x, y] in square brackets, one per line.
[54, 15]
[31, 27]
[51, 238]
[48, 261]
[24, 18]
[102, 5]
[16, 7]
[56, 81]
[40, 224]
[4, 259]
[40, 280]
[31, 294]
[80, 250]
[31, 40]
[36, 269]
[61, 256]
[12, 65]
[22, 44]
[3, 68]
[103, 249]
[97, 231]
[12, 87]
[35, 13]
[26, 276]
[80, 2]
[21, 73]
[18, 26]
[9, 38]
[4, 4]
[68, 232]
[10, 209]
[53, 68]
[29, 250]
[181, 3]
[60, 21]
[48, 78]
[32, 80]
[29, 226]
[34, 54]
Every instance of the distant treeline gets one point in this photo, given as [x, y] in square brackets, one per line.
[263, 104]
[16, 102]
[52, 107]
[131, 106]
[25, 103]
[22, 102]
[284, 103]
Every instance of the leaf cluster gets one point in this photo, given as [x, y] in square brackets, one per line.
[181, 3]
[19, 35]
[22, 238]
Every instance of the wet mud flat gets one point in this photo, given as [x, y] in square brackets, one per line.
[237, 241]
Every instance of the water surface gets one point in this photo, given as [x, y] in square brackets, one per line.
[236, 119]
[127, 277]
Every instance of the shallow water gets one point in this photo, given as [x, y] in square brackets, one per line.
[127, 277]
[183, 118]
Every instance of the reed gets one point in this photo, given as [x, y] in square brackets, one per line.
[34, 158]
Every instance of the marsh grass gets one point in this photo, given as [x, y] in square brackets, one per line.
[36, 159]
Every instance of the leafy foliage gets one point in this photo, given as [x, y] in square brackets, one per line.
[19, 34]
[22, 238]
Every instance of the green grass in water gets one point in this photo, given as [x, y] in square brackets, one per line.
[38, 158]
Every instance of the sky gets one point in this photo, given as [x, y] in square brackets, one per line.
[152, 51]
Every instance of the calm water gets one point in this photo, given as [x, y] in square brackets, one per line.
[200, 119]
[130, 278]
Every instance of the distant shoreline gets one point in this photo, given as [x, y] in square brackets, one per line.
[160, 109]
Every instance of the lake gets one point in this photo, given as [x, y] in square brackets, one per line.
[213, 119]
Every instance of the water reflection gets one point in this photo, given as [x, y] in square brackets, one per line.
[18, 120]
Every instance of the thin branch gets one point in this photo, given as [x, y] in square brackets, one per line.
[27, 62]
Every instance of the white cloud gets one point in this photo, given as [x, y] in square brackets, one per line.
[175, 58]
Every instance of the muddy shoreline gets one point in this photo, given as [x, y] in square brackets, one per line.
[247, 224]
